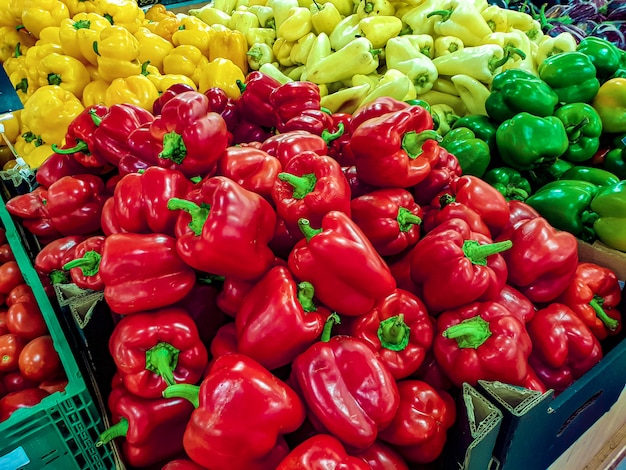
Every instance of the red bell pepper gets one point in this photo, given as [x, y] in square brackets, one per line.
[79, 139]
[348, 275]
[338, 139]
[399, 329]
[26, 398]
[517, 303]
[171, 92]
[143, 272]
[278, 319]
[242, 412]
[220, 103]
[59, 165]
[289, 144]
[224, 342]
[418, 430]
[74, 204]
[152, 428]
[33, 213]
[376, 108]
[594, 295]
[396, 149]
[144, 150]
[203, 241]
[482, 340]
[155, 349]
[445, 208]
[432, 373]
[329, 376]
[290, 99]
[193, 137]
[247, 133]
[254, 102]
[321, 452]
[542, 261]
[564, 348]
[315, 121]
[357, 187]
[182, 464]
[201, 304]
[85, 263]
[140, 202]
[232, 294]
[400, 267]
[533, 382]
[252, 168]
[454, 266]
[445, 169]
[310, 186]
[50, 260]
[519, 211]
[380, 456]
[390, 218]
[111, 136]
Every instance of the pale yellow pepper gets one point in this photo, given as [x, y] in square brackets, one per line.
[380, 29]
[185, 60]
[375, 8]
[264, 14]
[564, 42]
[153, 48]
[261, 35]
[243, 20]
[136, 89]
[358, 56]
[224, 74]
[433, 97]
[259, 54]
[496, 18]
[282, 51]
[297, 24]
[319, 50]
[473, 93]
[38, 14]
[394, 84]
[347, 99]
[300, 51]
[345, 32]
[324, 18]
[210, 15]
[281, 10]
[445, 45]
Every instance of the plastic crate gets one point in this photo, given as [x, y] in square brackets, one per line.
[60, 432]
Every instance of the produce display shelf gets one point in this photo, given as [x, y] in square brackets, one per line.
[60, 432]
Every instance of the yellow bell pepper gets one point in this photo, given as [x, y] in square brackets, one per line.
[445, 45]
[124, 13]
[50, 34]
[564, 42]
[345, 32]
[231, 45]
[185, 60]
[274, 72]
[11, 12]
[375, 8]
[163, 81]
[118, 53]
[281, 10]
[26, 141]
[153, 47]
[242, 21]
[210, 15]
[36, 54]
[80, 6]
[94, 92]
[224, 74]
[301, 49]
[496, 18]
[193, 37]
[37, 156]
[324, 18]
[77, 35]
[282, 52]
[473, 93]
[136, 89]
[12, 124]
[48, 112]
[13, 42]
[259, 54]
[192, 23]
[358, 57]
[19, 77]
[462, 19]
[264, 14]
[38, 14]
[158, 12]
[379, 29]
[297, 24]
[164, 28]
[63, 70]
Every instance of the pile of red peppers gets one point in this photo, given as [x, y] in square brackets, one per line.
[301, 289]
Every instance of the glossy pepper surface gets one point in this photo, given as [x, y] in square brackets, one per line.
[509, 182]
[320, 452]
[51, 258]
[472, 153]
[609, 204]
[83, 268]
[30, 208]
[254, 169]
[254, 102]
[155, 349]
[604, 55]
[609, 102]
[446, 169]
[286, 145]
[348, 275]
[584, 127]
[580, 87]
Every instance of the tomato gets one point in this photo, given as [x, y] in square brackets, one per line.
[4, 329]
[25, 319]
[39, 360]
[20, 293]
[10, 276]
[3, 235]
[15, 381]
[10, 348]
[182, 464]
[54, 385]
[22, 399]
[6, 253]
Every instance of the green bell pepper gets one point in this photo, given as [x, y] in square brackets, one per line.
[615, 162]
[526, 141]
[517, 90]
[566, 204]
[604, 55]
[571, 75]
[610, 205]
[584, 127]
[509, 182]
[597, 176]
[544, 174]
[471, 152]
[482, 126]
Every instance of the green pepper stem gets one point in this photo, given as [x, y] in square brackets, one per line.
[517, 193]
[58, 277]
[407, 219]
[187, 391]
[241, 85]
[17, 51]
[330, 136]
[119, 429]
[445, 14]
[22, 85]
[144, 68]
[446, 199]
[302, 185]
[162, 360]
[610, 323]
[393, 333]
[495, 63]
[173, 147]
[328, 327]
[89, 263]
[97, 120]
[198, 214]
[470, 333]
[81, 146]
[478, 253]
[412, 142]
[574, 132]
[306, 292]
[306, 229]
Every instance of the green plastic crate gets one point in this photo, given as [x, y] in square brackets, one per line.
[61, 431]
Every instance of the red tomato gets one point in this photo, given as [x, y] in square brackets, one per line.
[6, 253]
[15, 381]
[20, 293]
[10, 276]
[22, 399]
[4, 329]
[3, 235]
[3, 390]
[54, 385]
[39, 360]
[25, 319]
[182, 464]
[10, 348]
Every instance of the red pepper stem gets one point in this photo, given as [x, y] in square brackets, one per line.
[58, 277]
[412, 141]
[187, 391]
[198, 214]
[610, 323]
[97, 120]
[81, 146]
[470, 333]
[302, 185]
[478, 253]
[119, 429]
[407, 219]
[328, 326]
[241, 85]
[173, 147]
[330, 136]
[306, 292]
[306, 229]
[393, 333]
[162, 360]
[89, 263]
